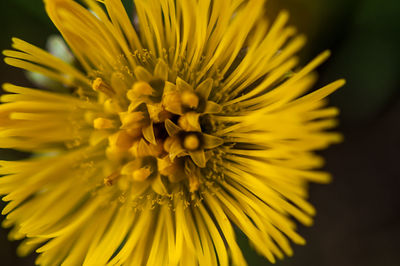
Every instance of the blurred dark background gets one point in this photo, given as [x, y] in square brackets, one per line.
[358, 220]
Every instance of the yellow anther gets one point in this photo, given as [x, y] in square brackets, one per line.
[141, 174]
[110, 180]
[191, 142]
[138, 89]
[103, 123]
[100, 86]
[190, 99]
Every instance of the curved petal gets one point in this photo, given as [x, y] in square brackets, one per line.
[211, 142]
[198, 157]
[171, 128]
[212, 108]
[204, 89]
[148, 134]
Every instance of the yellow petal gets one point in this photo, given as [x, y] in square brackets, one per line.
[182, 85]
[204, 89]
[161, 70]
[212, 108]
[171, 128]
[211, 142]
[198, 158]
[148, 134]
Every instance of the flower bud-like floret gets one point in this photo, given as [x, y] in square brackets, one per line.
[190, 99]
[191, 142]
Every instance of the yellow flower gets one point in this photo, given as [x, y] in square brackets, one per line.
[177, 129]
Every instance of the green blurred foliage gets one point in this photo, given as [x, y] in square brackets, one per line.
[369, 58]
[364, 37]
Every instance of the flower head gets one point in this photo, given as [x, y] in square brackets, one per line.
[176, 130]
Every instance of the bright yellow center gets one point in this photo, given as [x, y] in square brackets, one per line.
[152, 127]
[191, 142]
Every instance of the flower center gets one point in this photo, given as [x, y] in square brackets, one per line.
[153, 128]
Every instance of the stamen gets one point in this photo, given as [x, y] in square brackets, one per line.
[100, 86]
